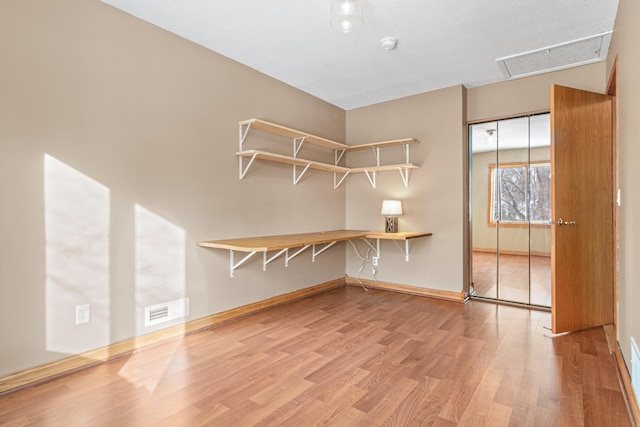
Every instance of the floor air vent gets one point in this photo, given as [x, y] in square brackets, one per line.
[557, 57]
[165, 312]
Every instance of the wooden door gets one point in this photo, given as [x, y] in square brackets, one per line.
[582, 254]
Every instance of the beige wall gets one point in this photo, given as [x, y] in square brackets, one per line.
[138, 116]
[530, 94]
[625, 44]
[433, 201]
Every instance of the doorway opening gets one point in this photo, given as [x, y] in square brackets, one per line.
[510, 210]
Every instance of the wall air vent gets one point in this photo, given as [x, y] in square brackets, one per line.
[165, 312]
[557, 57]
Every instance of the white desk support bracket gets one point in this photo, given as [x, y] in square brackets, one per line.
[266, 260]
[405, 251]
[233, 266]
[376, 248]
[288, 258]
[316, 253]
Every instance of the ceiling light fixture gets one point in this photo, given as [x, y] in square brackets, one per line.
[346, 15]
[492, 139]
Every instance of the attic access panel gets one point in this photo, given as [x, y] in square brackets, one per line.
[557, 57]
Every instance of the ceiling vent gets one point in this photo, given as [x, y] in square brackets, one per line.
[557, 57]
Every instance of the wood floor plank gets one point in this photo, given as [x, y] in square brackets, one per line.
[347, 357]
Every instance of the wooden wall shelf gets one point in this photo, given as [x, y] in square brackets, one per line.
[299, 138]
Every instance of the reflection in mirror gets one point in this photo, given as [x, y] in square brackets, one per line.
[510, 209]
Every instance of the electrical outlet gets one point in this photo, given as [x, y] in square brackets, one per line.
[374, 261]
[83, 314]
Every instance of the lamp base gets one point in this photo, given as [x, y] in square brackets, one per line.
[391, 224]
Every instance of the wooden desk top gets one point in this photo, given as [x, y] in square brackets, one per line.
[403, 235]
[272, 243]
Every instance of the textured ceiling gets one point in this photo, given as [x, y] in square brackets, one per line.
[440, 43]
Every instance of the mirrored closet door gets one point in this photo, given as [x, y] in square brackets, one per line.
[510, 209]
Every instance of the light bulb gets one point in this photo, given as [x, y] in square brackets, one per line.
[345, 15]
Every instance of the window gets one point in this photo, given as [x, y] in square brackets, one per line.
[520, 193]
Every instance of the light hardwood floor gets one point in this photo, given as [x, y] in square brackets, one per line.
[347, 357]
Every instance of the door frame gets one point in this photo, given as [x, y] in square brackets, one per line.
[612, 90]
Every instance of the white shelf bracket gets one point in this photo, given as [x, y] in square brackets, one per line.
[297, 145]
[376, 248]
[376, 154]
[406, 152]
[266, 260]
[242, 134]
[405, 251]
[296, 177]
[371, 176]
[338, 182]
[337, 155]
[244, 170]
[233, 266]
[316, 253]
[288, 258]
[404, 173]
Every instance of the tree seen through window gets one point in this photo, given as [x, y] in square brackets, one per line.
[521, 193]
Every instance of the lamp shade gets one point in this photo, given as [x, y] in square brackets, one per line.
[391, 207]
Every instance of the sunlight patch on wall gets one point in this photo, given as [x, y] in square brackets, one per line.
[160, 250]
[160, 283]
[77, 258]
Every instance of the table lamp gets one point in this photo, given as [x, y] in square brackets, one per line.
[391, 209]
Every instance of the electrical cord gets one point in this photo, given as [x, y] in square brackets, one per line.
[365, 259]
